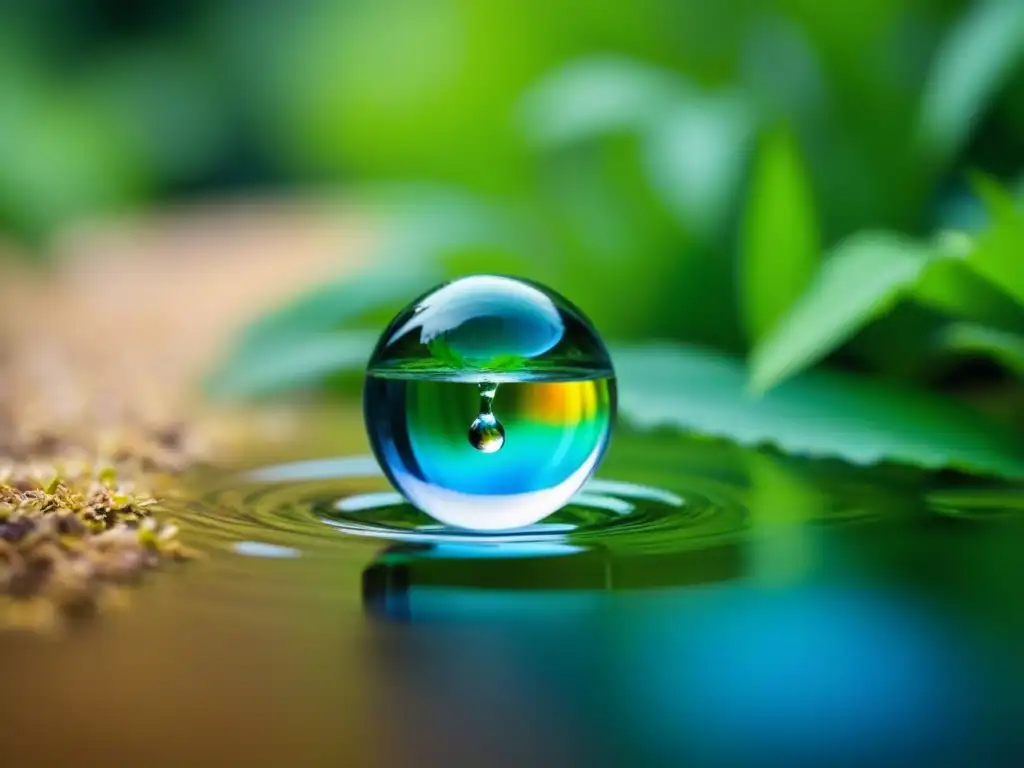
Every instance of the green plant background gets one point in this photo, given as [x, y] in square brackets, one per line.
[736, 192]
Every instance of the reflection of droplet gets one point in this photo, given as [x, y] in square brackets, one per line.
[486, 433]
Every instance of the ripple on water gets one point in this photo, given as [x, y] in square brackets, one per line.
[610, 513]
[303, 501]
[700, 527]
[292, 508]
[287, 510]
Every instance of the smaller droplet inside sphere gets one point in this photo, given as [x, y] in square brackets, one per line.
[486, 433]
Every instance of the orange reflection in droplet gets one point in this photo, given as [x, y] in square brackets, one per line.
[561, 402]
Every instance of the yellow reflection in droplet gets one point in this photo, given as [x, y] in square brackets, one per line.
[561, 402]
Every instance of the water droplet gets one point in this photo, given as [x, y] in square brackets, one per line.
[486, 433]
[439, 366]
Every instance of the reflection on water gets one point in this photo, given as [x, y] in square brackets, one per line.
[460, 582]
[719, 675]
[701, 604]
[809, 673]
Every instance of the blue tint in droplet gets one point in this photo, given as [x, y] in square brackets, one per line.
[509, 364]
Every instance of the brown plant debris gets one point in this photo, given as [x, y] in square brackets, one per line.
[99, 360]
[69, 542]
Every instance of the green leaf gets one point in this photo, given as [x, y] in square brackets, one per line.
[695, 154]
[997, 253]
[305, 362]
[864, 276]
[999, 202]
[428, 228]
[1002, 346]
[896, 343]
[591, 97]
[971, 65]
[818, 414]
[951, 286]
[780, 249]
[333, 305]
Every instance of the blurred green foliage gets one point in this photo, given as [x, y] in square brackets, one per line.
[789, 180]
[781, 248]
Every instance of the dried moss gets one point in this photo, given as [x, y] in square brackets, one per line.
[98, 363]
[70, 541]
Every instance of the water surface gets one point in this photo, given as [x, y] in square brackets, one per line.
[699, 604]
